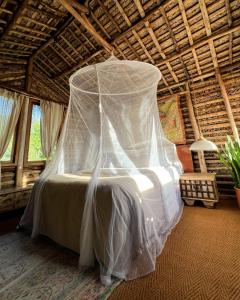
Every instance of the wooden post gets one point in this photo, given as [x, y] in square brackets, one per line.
[21, 142]
[227, 104]
[195, 127]
[29, 74]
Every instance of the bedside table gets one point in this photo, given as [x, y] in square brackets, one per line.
[199, 186]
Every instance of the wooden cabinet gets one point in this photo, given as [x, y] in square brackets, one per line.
[14, 198]
[199, 186]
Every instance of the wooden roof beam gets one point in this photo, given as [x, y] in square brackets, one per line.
[36, 53]
[104, 8]
[159, 48]
[140, 8]
[213, 53]
[189, 33]
[200, 44]
[51, 40]
[204, 75]
[166, 21]
[122, 12]
[229, 12]
[28, 83]
[170, 57]
[100, 26]
[15, 18]
[121, 35]
[205, 17]
[30, 30]
[229, 17]
[83, 20]
[227, 104]
[137, 37]
[84, 36]
[82, 62]
[31, 20]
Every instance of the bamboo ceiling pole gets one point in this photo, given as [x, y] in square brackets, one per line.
[195, 127]
[227, 104]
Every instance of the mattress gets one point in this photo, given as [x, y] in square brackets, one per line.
[62, 208]
[62, 205]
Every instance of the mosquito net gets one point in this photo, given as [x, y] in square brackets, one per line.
[112, 134]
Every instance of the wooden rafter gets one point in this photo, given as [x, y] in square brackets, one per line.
[100, 26]
[83, 20]
[189, 33]
[32, 30]
[84, 36]
[184, 51]
[51, 40]
[76, 38]
[29, 74]
[122, 12]
[82, 62]
[166, 21]
[40, 23]
[74, 44]
[213, 53]
[142, 45]
[154, 39]
[229, 17]
[132, 49]
[227, 105]
[205, 17]
[103, 7]
[200, 44]
[140, 8]
[200, 77]
[15, 18]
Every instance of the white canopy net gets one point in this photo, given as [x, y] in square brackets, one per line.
[112, 131]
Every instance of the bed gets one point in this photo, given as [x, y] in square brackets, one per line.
[62, 206]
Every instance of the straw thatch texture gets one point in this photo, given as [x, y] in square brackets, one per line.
[186, 39]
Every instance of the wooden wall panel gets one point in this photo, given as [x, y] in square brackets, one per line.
[212, 117]
[31, 174]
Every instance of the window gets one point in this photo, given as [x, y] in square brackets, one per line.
[35, 150]
[6, 105]
[9, 152]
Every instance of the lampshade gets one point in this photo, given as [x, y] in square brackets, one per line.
[203, 144]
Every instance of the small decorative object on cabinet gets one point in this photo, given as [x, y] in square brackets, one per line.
[199, 186]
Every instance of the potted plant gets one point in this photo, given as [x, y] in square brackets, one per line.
[230, 157]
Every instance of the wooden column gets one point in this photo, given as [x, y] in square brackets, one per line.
[21, 142]
[195, 127]
[227, 104]
[29, 74]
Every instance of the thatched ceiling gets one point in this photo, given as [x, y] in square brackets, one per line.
[186, 39]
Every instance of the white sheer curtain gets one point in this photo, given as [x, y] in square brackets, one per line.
[10, 107]
[51, 121]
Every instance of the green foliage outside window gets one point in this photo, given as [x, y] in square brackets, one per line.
[8, 153]
[35, 151]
